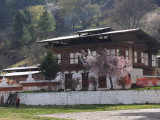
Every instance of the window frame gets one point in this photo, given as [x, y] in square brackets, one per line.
[154, 63]
[127, 54]
[146, 59]
[142, 57]
[112, 52]
[59, 56]
[135, 57]
[74, 58]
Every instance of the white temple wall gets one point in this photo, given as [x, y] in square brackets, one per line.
[136, 73]
[91, 97]
[5, 94]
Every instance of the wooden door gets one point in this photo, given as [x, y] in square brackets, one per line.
[68, 81]
[102, 82]
[85, 83]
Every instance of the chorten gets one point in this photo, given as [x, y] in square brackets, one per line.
[30, 78]
[4, 82]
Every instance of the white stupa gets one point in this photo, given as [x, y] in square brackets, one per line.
[4, 82]
[30, 78]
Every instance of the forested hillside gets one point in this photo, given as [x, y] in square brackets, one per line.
[23, 22]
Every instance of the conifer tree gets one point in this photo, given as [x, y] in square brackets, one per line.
[46, 23]
[49, 66]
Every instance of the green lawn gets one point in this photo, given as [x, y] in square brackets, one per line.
[28, 112]
[148, 88]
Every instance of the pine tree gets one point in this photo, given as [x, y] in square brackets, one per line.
[49, 66]
[21, 28]
[46, 23]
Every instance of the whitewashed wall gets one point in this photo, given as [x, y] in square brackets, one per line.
[5, 95]
[91, 97]
[136, 73]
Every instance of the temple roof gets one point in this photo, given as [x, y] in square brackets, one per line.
[60, 38]
[77, 36]
[21, 68]
[102, 32]
[20, 73]
[93, 30]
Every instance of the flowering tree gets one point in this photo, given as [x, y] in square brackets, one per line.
[103, 64]
[93, 81]
[75, 82]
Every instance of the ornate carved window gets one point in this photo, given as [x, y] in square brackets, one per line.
[73, 58]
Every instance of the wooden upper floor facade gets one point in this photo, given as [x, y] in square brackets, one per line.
[133, 44]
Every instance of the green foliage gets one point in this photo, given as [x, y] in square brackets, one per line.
[127, 14]
[29, 112]
[22, 26]
[33, 52]
[25, 25]
[21, 63]
[46, 23]
[75, 13]
[8, 8]
[36, 11]
[49, 65]
[148, 88]
[90, 15]
[101, 2]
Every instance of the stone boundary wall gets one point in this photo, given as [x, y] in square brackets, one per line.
[91, 97]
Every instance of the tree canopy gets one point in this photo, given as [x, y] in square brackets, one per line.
[46, 23]
[49, 66]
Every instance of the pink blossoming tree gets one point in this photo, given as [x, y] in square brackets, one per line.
[102, 64]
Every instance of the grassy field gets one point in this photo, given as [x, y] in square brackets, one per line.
[28, 112]
[21, 63]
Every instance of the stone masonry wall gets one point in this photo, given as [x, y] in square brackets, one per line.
[91, 97]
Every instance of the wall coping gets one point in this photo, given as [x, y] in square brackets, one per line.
[40, 81]
[10, 86]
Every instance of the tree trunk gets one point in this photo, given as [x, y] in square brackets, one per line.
[110, 79]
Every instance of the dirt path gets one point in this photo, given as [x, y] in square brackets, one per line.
[142, 114]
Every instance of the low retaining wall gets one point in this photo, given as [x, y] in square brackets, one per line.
[91, 97]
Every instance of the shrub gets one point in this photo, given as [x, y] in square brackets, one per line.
[94, 82]
[154, 82]
[75, 82]
[123, 82]
[143, 82]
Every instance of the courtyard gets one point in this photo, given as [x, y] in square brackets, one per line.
[142, 114]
